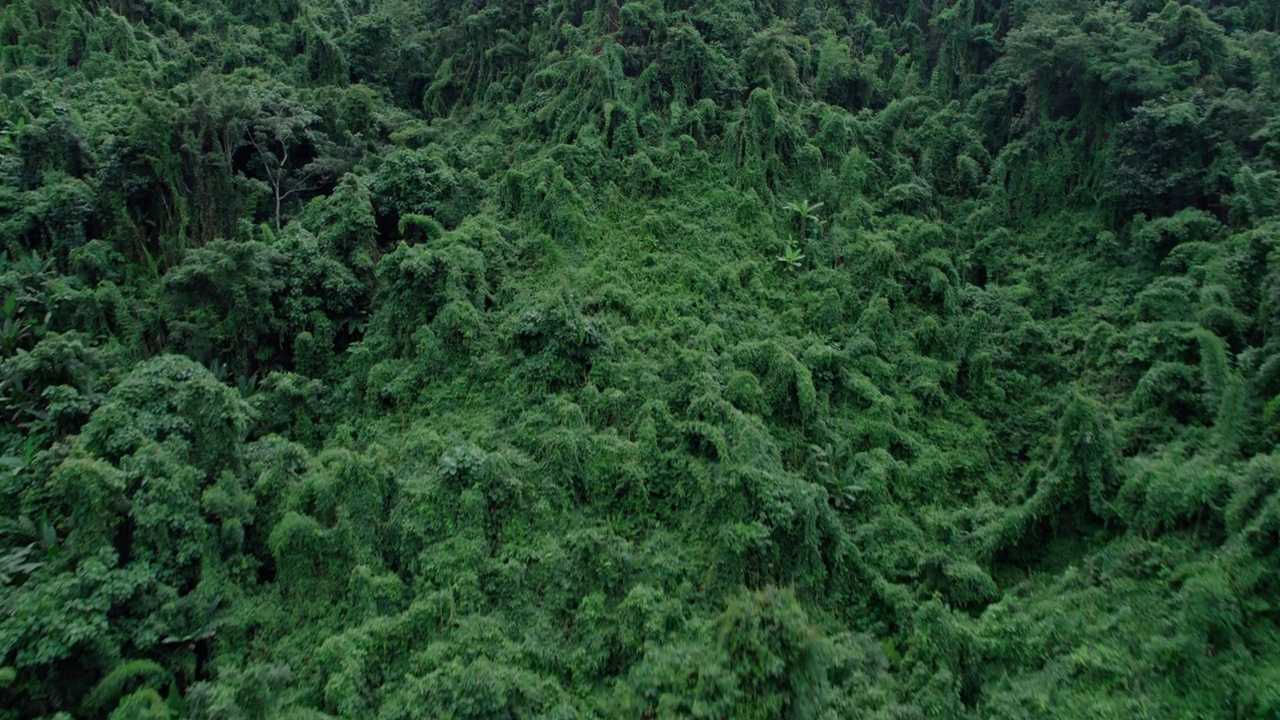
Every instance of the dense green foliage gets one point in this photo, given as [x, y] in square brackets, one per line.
[639, 359]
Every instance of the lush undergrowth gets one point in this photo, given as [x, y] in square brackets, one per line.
[897, 359]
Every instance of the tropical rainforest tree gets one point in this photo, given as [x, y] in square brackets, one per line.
[886, 359]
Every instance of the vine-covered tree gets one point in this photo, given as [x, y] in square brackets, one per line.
[887, 359]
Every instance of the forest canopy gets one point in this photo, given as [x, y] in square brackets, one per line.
[639, 359]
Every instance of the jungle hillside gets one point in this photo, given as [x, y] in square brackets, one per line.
[753, 359]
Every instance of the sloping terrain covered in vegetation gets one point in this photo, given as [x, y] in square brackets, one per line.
[639, 359]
